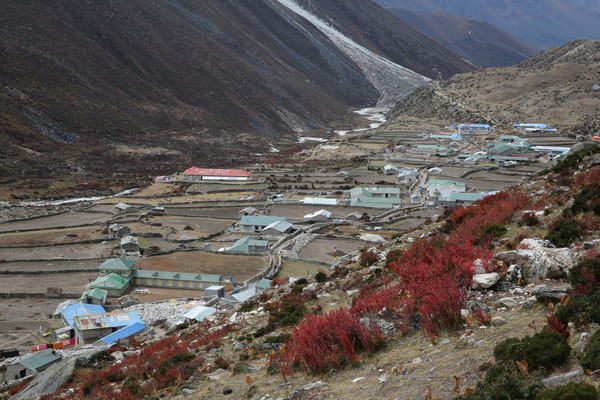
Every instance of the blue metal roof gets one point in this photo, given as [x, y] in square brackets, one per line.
[542, 126]
[123, 333]
[474, 126]
[75, 310]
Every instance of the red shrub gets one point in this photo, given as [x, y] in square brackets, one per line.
[482, 318]
[588, 179]
[278, 281]
[322, 342]
[555, 325]
[438, 277]
[368, 258]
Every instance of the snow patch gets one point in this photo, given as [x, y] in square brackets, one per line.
[391, 80]
[303, 139]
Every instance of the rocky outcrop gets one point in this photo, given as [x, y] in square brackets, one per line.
[548, 292]
[541, 257]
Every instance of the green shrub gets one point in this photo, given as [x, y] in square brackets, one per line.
[587, 200]
[509, 351]
[503, 382]
[321, 277]
[546, 349]
[175, 360]
[277, 339]
[248, 306]
[582, 273]
[301, 282]
[573, 159]
[570, 391]
[564, 233]
[591, 356]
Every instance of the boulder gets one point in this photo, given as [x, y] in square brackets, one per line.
[387, 329]
[498, 321]
[562, 379]
[508, 302]
[514, 274]
[542, 258]
[549, 292]
[473, 306]
[485, 281]
[478, 267]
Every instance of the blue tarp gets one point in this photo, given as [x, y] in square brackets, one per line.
[123, 333]
[76, 310]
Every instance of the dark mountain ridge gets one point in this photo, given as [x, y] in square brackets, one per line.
[478, 41]
[141, 86]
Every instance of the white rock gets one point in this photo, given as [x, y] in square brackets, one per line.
[360, 378]
[546, 260]
[485, 281]
[509, 302]
[372, 238]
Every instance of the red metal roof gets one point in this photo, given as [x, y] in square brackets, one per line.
[216, 172]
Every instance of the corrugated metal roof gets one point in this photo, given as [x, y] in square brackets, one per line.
[279, 226]
[106, 320]
[263, 284]
[196, 171]
[320, 201]
[111, 281]
[123, 333]
[200, 313]
[98, 294]
[259, 220]
[39, 359]
[241, 296]
[184, 276]
[75, 310]
[117, 264]
[323, 213]
[445, 182]
[242, 244]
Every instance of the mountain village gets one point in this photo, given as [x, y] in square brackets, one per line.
[196, 245]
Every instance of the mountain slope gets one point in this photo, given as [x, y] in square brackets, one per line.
[554, 87]
[140, 87]
[540, 23]
[476, 40]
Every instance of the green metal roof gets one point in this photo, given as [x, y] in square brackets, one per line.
[97, 294]
[263, 284]
[242, 244]
[117, 264]
[369, 191]
[445, 182]
[374, 202]
[183, 276]
[259, 220]
[454, 196]
[110, 281]
[40, 359]
[499, 148]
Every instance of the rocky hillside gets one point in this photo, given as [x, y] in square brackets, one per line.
[497, 300]
[477, 41]
[560, 86]
[138, 86]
